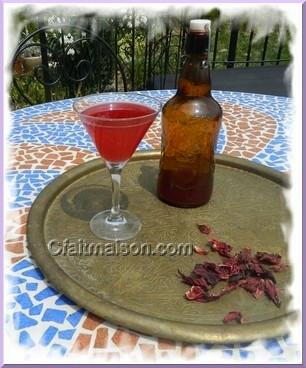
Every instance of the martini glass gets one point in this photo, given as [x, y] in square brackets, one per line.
[116, 123]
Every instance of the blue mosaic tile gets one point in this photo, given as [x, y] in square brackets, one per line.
[66, 334]
[21, 321]
[17, 179]
[52, 133]
[15, 280]
[273, 346]
[29, 183]
[280, 108]
[31, 286]
[75, 317]
[227, 353]
[24, 300]
[35, 273]
[245, 354]
[68, 134]
[36, 312]
[15, 290]
[64, 300]
[45, 293]
[288, 339]
[206, 346]
[10, 305]
[25, 339]
[221, 140]
[54, 315]
[21, 265]
[36, 309]
[48, 336]
[144, 146]
[57, 349]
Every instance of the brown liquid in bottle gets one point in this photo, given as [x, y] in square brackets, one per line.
[190, 124]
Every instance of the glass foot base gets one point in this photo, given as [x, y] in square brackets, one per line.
[122, 230]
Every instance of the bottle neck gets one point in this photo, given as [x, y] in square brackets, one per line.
[197, 43]
[194, 79]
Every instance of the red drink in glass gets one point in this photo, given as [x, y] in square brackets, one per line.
[116, 123]
[116, 137]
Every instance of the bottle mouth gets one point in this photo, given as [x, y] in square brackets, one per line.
[200, 25]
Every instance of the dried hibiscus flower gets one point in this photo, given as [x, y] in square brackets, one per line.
[233, 317]
[241, 269]
[272, 292]
[268, 258]
[254, 286]
[279, 267]
[222, 248]
[200, 251]
[204, 229]
[196, 292]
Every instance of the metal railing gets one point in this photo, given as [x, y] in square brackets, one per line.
[139, 57]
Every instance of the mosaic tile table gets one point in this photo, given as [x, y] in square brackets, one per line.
[45, 141]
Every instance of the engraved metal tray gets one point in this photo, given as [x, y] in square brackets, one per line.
[143, 292]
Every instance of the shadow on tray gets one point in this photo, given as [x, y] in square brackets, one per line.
[148, 178]
[84, 202]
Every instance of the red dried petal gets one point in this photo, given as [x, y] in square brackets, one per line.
[258, 293]
[272, 292]
[186, 279]
[240, 270]
[228, 288]
[222, 248]
[205, 271]
[225, 271]
[194, 281]
[196, 292]
[233, 316]
[204, 229]
[254, 286]
[244, 256]
[255, 268]
[201, 282]
[268, 258]
[280, 267]
[235, 278]
[206, 298]
[200, 251]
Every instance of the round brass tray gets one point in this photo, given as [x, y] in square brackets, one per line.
[143, 292]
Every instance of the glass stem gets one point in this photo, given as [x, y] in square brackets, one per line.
[115, 172]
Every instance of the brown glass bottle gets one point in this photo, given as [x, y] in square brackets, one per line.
[190, 124]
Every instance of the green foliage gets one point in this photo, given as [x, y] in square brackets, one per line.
[147, 47]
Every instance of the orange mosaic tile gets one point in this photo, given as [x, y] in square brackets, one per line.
[15, 238]
[14, 247]
[165, 344]
[241, 123]
[125, 340]
[188, 352]
[101, 340]
[16, 259]
[67, 116]
[148, 352]
[47, 157]
[107, 357]
[81, 344]
[91, 322]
